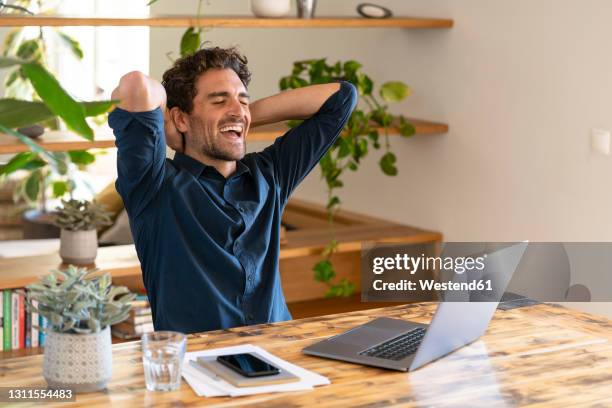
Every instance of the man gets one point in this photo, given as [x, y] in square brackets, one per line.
[207, 224]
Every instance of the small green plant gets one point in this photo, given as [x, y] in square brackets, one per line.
[74, 302]
[81, 215]
[191, 40]
[361, 131]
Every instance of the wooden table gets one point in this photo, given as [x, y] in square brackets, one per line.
[538, 356]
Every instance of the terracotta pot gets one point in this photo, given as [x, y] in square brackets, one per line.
[79, 247]
[81, 362]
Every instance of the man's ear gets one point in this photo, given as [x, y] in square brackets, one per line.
[180, 119]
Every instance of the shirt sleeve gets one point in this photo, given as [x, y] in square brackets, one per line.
[141, 155]
[297, 152]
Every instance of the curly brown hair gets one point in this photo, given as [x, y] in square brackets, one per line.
[180, 79]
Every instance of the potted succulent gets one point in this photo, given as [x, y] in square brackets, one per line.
[79, 310]
[79, 221]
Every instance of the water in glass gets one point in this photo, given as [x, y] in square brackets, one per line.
[162, 358]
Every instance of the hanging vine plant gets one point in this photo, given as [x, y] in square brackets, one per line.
[362, 131]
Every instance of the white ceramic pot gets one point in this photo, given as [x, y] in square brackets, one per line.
[81, 362]
[79, 247]
[270, 8]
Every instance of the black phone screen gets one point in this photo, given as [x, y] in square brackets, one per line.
[248, 365]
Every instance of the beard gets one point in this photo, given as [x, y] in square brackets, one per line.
[219, 152]
[215, 146]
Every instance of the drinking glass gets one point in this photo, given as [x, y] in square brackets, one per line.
[162, 358]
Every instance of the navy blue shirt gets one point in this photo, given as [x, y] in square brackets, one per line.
[209, 246]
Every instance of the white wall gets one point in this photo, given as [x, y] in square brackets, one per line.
[521, 83]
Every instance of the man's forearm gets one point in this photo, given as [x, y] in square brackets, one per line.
[300, 103]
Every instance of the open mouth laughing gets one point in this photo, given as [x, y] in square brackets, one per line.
[232, 130]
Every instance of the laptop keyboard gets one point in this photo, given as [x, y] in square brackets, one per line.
[398, 347]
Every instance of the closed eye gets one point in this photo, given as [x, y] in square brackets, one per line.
[245, 103]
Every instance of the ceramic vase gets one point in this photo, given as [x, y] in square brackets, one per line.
[270, 8]
[79, 247]
[80, 362]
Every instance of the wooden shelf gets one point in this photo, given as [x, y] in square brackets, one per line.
[19, 272]
[307, 238]
[14, 20]
[64, 141]
[422, 127]
[303, 243]
[122, 261]
[56, 141]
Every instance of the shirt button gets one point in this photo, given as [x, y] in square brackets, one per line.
[241, 210]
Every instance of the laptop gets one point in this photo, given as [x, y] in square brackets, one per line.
[405, 346]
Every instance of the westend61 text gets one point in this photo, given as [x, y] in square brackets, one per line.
[430, 284]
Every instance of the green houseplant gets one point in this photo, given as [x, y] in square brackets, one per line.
[79, 221]
[79, 310]
[47, 170]
[362, 130]
[41, 180]
[50, 175]
[33, 46]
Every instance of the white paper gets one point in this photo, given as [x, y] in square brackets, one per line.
[212, 386]
[201, 386]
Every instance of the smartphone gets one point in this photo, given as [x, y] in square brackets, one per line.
[248, 365]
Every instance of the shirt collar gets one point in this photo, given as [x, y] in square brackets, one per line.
[196, 167]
